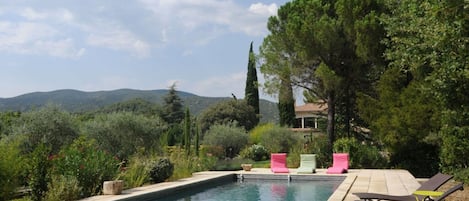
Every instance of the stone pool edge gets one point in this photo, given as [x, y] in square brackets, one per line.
[201, 178]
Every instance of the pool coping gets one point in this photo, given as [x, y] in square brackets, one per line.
[353, 181]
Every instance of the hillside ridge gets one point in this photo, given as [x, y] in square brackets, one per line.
[76, 101]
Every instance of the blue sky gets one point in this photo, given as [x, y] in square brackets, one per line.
[89, 45]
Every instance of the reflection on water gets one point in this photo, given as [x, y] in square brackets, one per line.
[262, 190]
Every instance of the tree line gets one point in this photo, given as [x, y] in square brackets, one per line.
[399, 68]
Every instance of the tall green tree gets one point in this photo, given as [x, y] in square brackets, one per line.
[173, 112]
[228, 112]
[251, 92]
[187, 131]
[342, 36]
[429, 44]
[286, 104]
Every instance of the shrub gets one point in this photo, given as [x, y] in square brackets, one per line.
[63, 188]
[90, 165]
[256, 133]
[455, 144]
[320, 146]
[215, 151]
[39, 167]
[278, 139]
[228, 112]
[161, 170]
[124, 133]
[49, 125]
[11, 165]
[137, 171]
[255, 152]
[230, 137]
[185, 165]
[361, 156]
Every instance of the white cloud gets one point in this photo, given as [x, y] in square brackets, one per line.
[36, 38]
[119, 40]
[263, 9]
[208, 19]
[57, 15]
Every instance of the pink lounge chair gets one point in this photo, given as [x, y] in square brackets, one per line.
[339, 163]
[278, 163]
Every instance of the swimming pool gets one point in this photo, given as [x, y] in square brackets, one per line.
[262, 190]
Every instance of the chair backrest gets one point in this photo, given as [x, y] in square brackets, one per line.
[340, 160]
[278, 160]
[308, 157]
[435, 182]
[450, 191]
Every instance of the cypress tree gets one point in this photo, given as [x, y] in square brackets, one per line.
[197, 131]
[286, 104]
[252, 91]
[187, 131]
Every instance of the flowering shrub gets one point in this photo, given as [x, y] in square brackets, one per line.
[255, 152]
[89, 165]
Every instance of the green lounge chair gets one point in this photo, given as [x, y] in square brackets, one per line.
[307, 163]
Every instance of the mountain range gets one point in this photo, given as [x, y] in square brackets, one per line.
[80, 101]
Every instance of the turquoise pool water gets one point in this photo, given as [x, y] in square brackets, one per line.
[262, 190]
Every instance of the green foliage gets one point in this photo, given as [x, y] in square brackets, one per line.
[320, 146]
[173, 112]
[161, 170]
[136, 106]
[39, 171]
[428, 41]
[197, 139]
[230, 137]
[63, 188]
[173, 135]
[251, 92]
[123, 133]
[256, 133]
[332, 49]
[11, 168]
[88, 164]
[255, 152]
[50, 125]
[455, 143]
[286, 104]
[278, 139]
[137, 170]
[6, 122]
[402, 118]
[228, 112]
[187, 132]
[361, 155]
[184, 166]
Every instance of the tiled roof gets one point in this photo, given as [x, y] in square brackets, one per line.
[312, 108]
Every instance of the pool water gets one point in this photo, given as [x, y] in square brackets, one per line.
[262, 190]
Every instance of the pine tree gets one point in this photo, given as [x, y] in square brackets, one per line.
[252, 90]
[172, 109]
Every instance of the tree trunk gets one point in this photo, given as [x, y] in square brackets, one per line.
[331, 119]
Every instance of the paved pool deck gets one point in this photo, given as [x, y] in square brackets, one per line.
[395, 182]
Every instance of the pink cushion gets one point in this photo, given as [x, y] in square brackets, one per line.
[333, 170]
[278, 163]
[340, 163]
